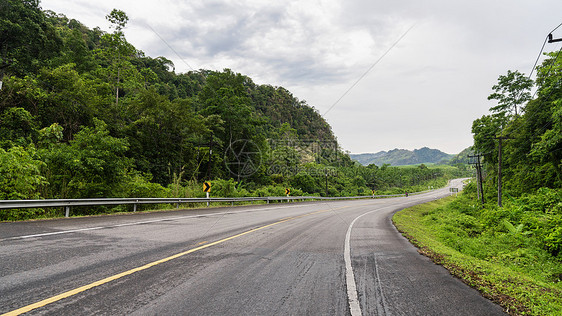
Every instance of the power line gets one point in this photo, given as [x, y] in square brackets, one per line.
[170, 47]
[546, 76]
[559, 25]
[547, 39]
[538, 57]
[549, 69]
[369, 70]
[541, 101]
[540, 130]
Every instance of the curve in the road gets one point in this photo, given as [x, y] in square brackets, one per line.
[86, 287]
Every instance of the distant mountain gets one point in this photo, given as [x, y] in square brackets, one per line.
[462, 157]
[403, 157]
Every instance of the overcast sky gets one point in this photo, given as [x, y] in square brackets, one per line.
[426, 90]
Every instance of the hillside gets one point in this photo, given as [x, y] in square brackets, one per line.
[462, 157]
[66, 82]
[85, 114]
[402, 157]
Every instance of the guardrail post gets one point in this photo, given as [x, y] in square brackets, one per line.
[66, 204]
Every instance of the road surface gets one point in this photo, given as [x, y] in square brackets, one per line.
[313, 258]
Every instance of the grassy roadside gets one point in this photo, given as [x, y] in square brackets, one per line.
[449, 237]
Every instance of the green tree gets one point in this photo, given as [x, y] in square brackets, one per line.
[116, 54]
[17, 128]
[59, 95]
[164, 134]
[27, 39]
[118, 19]
[20, 176]
[225, 94]
[75, 48]
[545, 117]
[91, 165]
[532, 155]
[511, 91]
[485, 129]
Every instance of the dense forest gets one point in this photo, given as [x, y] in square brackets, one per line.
[529, 129]
[507, 240]
[510, 248]
[83, 113]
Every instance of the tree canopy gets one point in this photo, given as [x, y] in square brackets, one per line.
[83, 113]
[532, 154]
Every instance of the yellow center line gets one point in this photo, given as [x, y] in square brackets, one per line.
[81, 289]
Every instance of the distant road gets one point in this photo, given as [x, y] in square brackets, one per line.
[315, 258]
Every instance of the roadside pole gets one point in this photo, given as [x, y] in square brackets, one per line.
[207, 190]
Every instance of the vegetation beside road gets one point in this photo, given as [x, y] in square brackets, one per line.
[355, 181]
[511, 254]
[507, 242]
[85, 114]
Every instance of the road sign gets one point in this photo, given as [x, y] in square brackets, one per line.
[287, 191]
[207, 187]
[373, 192]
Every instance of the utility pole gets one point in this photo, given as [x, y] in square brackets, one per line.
[500, 139]
[470, 162]
[326, 170]
[479, 178]
[481, 182]
[500, 171]
[210, 158]
[2, 66]
[553, 40]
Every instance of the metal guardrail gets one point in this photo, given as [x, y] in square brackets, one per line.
[68, 203]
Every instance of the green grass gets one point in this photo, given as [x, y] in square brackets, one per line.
[507, 266]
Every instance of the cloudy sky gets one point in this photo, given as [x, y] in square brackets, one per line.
[407, 73]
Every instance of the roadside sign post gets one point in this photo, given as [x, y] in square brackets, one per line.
[288, 192]
[207, 190]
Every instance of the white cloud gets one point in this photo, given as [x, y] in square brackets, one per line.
[425, 92]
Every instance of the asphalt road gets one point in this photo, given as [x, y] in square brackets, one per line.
[314, 258]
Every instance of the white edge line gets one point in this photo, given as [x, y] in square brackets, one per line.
[352, 297]
[139, 223]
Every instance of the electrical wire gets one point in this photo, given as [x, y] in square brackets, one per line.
[547, 73]
[368, 70]
[540, 130]
[170, 47]
[531, 116]
[538, 57]
[559, 25]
